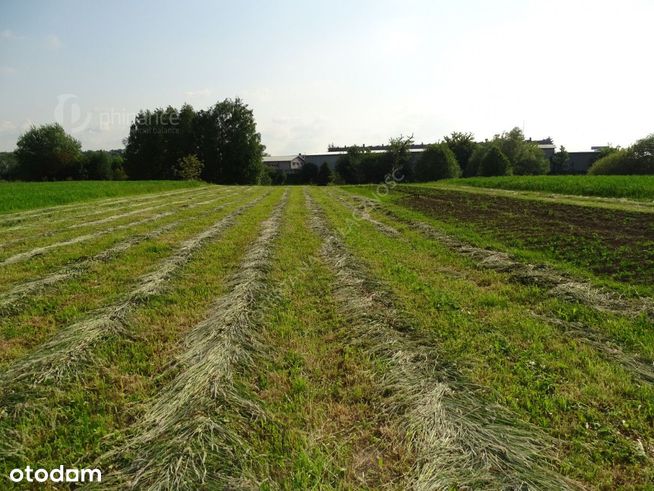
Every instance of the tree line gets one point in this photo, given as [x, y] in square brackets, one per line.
[219, 145]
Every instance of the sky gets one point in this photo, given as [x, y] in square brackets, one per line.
[341, 72]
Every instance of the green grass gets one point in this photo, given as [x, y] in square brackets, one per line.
[18, 196]
[634, 187]
[319, 392]
[481, 323]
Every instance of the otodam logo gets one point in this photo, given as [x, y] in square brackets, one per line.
[57, 475]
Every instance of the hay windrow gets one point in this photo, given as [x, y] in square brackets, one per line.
[52, 226]
[362, 212]
[183, 440]
[10, 300]
[38, 251]
[45, 212]
[460, 441]
[57, 357]
[559, 284]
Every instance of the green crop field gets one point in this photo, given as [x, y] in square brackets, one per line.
[634, 187]
[15, 196]
[224, 337]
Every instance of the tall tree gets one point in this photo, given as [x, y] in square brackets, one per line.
[525, 156]
[47, 152]
[560, 162]
[463, 145]
[229, 144]
[325, 175]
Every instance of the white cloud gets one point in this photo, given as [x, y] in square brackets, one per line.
[53, 42]
[7, 70]
[198, 93]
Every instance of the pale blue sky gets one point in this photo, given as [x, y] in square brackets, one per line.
[339, 72]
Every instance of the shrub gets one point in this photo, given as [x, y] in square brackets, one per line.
[494, 163]
[188, 168]
[637, 159]
[437, 162]
[325, 175]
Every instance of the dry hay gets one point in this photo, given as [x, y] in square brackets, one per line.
[183, 430]
[461, 441]
[57, 357]
[10, 300]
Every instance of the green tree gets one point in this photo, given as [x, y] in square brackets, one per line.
[97, 166]
[437, 162]
[494, 163]
[399, 157]
[348, 166]
[188, 168]
[560, 162]
[634, 160]
[47, 152]
[525, 156]
[308, 174]
[325, 175]
[8, 165]
[463, 145]
[474, 162]
[229, 144]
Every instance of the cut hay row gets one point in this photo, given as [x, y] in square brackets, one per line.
[23, 256]
[58, 356]
[78, 218]
[460, 441]
[38, 251]
[362, 212]
[186, 438]
[559, 284]
[10, 300]
[42, 212]
[543, 276]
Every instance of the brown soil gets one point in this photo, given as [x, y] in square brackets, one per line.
[618, 244]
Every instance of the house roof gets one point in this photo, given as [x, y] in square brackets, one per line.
[281, 158]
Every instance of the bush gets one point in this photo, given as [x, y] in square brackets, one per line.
[47, 153]
[437, 162]
[188, 168]
[325, 175]
[97, 166]
[494, 163]
[308, 174]
[637, 159]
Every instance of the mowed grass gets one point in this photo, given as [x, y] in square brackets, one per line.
[482, 324]
[310, 396]
[18, 196]
[633, 187]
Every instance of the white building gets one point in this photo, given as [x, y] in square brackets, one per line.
[286, 163]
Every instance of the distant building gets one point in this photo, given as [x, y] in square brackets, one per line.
[580, 162]
[285, 163]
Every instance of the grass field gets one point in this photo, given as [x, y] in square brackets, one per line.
[16, 196]
[633, 187]
[313, 338]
